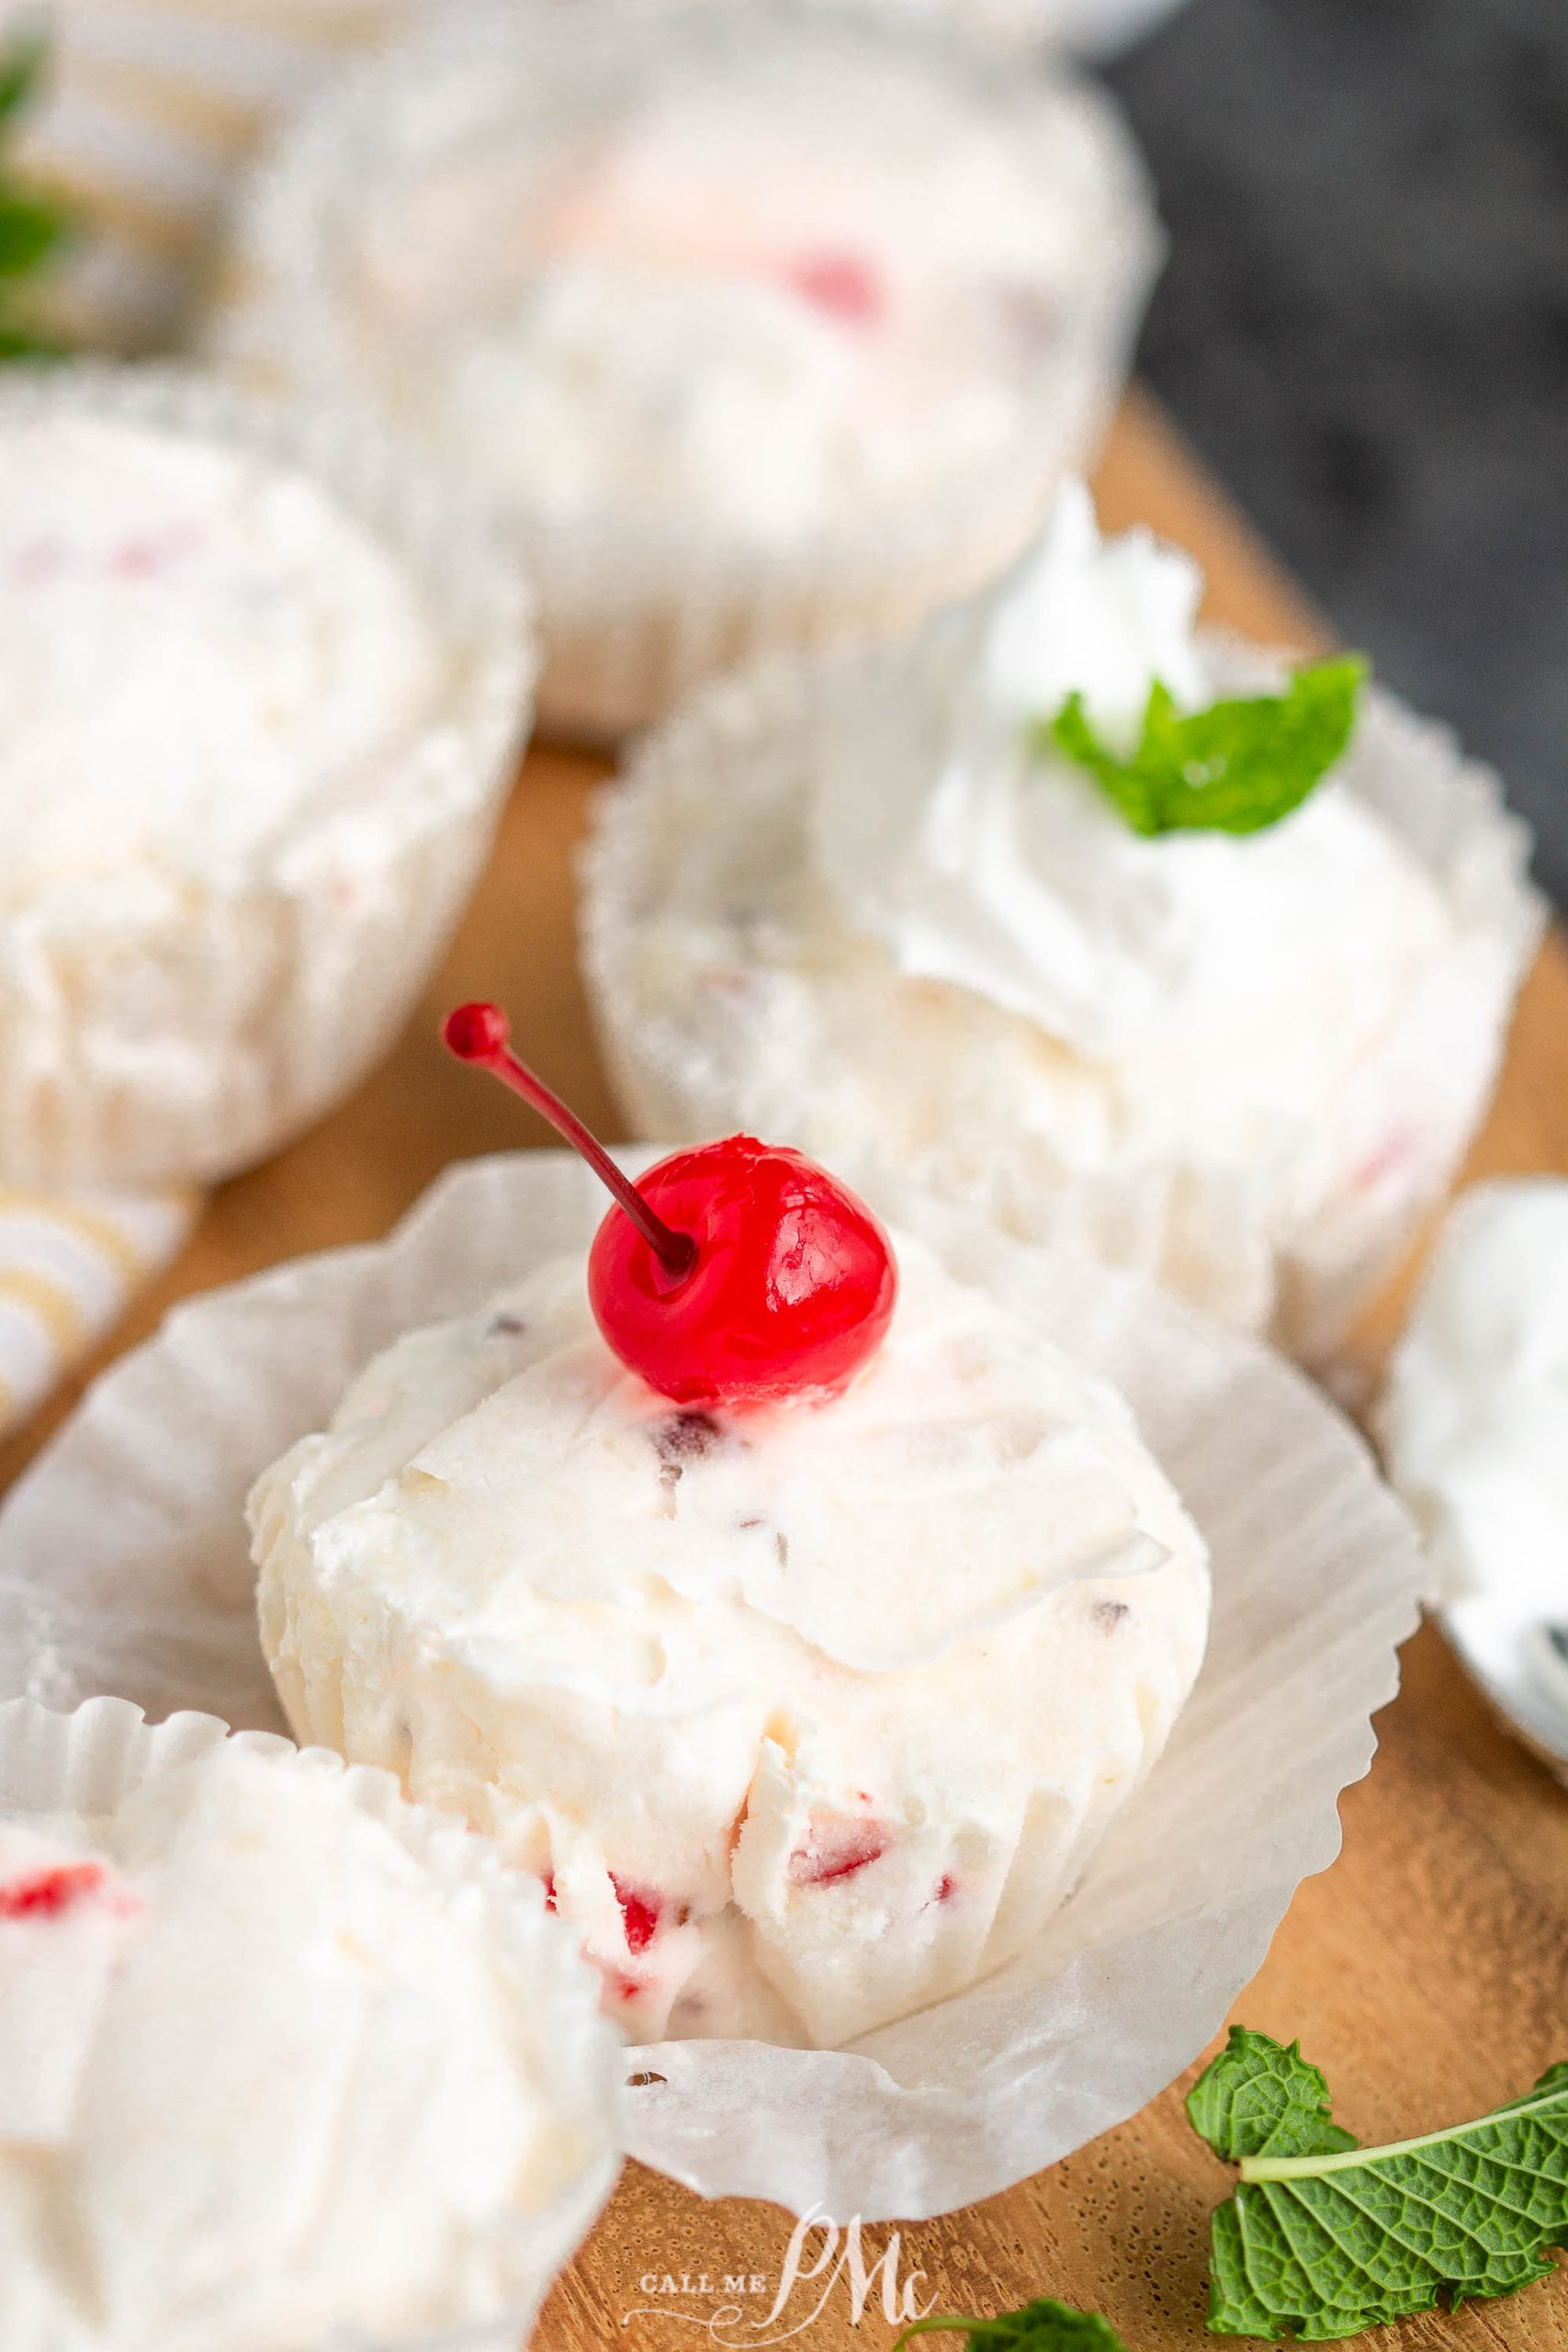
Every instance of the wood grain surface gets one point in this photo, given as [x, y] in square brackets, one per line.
[1426, 1971]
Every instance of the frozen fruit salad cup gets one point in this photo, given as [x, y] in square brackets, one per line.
[870, 903]
[265, 687]
[124, 1564]
[235, 1974]
[760, 327]
[801, 1617]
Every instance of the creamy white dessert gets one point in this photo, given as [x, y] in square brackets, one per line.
[281, 2064]
[808, 1716]
[251, 740]
[694, 294]
[1474, 1419]
[874, 907]
[194, 643]
[770, 293]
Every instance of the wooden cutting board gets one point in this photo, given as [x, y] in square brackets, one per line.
[1426, 1972]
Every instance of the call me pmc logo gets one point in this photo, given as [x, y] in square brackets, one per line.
[809, 2279]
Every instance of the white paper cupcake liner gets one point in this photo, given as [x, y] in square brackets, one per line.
[123, 1565]
[680, 1028]
[89, 1761]
[166, 1037]
[633, 612]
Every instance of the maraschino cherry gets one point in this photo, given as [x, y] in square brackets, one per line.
[734, 1273]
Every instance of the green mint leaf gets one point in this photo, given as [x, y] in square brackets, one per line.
[24, 61]
[1260, 2099]
[1044, 2325]
[31, 230]
[1233, 768]
[1124, 783]
[1322, 2239]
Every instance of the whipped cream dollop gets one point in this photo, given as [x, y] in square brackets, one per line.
[997, 867]
[1475, 1417]
[223, 2006]
[197, 644]
[749, 275]
[809, 1715]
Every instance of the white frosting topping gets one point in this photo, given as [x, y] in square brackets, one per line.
[1008, 873]
[969, 1471]
[196, 644]
[1475, 1419]
[733, 1681]
[755, 281]
[244, 1992]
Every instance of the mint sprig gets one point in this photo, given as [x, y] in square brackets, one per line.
[1323, 2238]
[33, 229]
[24, 57]
[1233, 768]
[1044, 2325]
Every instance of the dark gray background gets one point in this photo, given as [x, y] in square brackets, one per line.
[1363, 328]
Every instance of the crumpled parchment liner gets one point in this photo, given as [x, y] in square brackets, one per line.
[123, 1567]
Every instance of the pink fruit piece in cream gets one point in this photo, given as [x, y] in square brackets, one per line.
[836, 1845]
[50, 1893]
[640, 1912]
[841, 285]
[64, 1918]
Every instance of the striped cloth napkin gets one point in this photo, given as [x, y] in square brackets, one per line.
[153, 104]
[68, 1267]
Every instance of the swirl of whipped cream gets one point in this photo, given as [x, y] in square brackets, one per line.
[735, 1684]
[999, 867]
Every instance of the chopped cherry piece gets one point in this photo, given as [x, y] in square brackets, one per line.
[640, 1913]
[836, 1847]
[47, 1895]
[620, 1986]
[841, 284]
[550, 1885]
[946, 1886]
[734, 1273]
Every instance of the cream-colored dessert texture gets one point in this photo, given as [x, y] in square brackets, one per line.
[280, 2065]
[193, 644]
[863, 907]
[1475, 1417]
[715, 295]
[807, 1716]
[249, 757]
[698, 287]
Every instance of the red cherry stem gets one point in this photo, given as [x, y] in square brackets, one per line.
[478, 1033]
